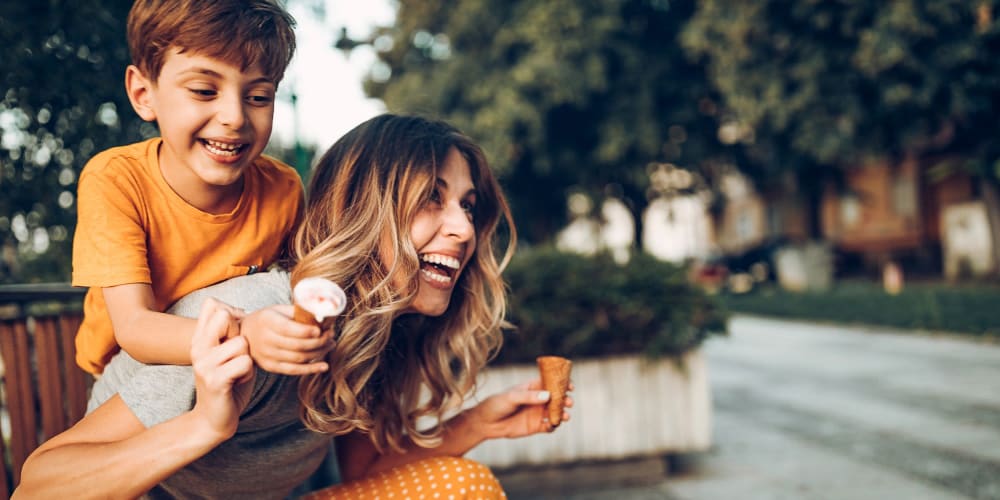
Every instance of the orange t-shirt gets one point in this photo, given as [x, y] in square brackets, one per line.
[133, 228]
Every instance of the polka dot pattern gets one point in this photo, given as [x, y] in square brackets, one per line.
[438, 478]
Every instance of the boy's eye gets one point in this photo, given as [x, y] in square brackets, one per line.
[203, 92]
[260, 99]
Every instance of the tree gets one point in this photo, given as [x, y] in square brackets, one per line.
[817, 87]
[63, 100]
[564, 95]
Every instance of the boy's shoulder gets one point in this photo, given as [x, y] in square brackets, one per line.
[128, 157]
[273, 172]
[270, 166]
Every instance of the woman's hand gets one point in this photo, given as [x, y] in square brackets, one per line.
[222, 369]
[279, 344]
[518, 412]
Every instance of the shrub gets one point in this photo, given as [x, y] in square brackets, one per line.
[969, 309]
[578, 307]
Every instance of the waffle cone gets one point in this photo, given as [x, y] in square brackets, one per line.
[303, 316]
[555, 372]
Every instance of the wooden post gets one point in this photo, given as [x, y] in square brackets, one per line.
[20, 400]
[77, 380]
[50, 383]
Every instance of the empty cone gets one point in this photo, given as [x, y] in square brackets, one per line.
[555, 379]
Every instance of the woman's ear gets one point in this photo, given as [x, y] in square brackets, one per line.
[139, 90]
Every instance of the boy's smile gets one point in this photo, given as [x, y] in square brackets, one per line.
[215, 120]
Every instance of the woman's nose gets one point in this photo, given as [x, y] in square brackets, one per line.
[458, 222]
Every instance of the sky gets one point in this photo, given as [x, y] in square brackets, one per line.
[327, 81]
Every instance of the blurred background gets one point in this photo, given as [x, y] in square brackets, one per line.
[759, 142]
[669, 162]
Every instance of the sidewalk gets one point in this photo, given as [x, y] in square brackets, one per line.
[805, 411]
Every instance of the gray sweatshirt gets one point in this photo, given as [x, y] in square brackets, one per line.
[272, 451]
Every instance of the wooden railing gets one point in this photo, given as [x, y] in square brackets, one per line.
[42, 391]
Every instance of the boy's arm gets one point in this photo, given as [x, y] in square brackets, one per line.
[277, 343]
[148, 335]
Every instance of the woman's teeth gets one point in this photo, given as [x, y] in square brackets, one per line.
[441, 267]
[441, 260]
[433, 276]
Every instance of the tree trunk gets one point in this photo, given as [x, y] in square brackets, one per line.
[637, 211]
[811, 181]
[991, 199]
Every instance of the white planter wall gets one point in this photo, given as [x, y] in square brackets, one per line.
[623, 407]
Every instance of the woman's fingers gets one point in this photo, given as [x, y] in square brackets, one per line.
[238, 367]
[211, 327]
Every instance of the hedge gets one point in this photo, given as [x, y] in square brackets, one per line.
[585, 307]
[966, 309]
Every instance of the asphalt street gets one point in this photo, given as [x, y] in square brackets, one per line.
[806, 411]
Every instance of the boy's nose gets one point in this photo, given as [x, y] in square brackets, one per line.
[231, 112]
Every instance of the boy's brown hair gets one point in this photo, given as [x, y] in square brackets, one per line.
[241, 32]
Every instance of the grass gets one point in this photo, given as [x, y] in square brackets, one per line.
[965, 309]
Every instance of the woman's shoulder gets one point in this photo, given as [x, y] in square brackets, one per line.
[250, 293]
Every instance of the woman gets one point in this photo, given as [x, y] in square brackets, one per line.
[402, 213]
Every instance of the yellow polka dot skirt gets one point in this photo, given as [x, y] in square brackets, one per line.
[438, 478]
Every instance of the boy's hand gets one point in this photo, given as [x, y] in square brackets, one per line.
[279, 344]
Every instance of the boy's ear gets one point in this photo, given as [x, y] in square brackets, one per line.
[138, 88]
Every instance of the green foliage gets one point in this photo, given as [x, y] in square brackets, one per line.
[830, 83]
[584, 94]
[62, 70]
[936, 307]
[579, 307]
[62, 100]
[564, 94]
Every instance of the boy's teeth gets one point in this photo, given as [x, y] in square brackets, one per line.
[222, 148]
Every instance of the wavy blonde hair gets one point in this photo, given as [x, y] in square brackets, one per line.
[390, 369]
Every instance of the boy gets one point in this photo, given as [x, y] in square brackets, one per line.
[164, 217]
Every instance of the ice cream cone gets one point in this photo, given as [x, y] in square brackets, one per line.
[303, 316]
[555, 372]
[317, 301]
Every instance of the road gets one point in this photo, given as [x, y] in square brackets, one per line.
[805, 411]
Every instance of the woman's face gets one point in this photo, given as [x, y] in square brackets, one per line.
[444, 235]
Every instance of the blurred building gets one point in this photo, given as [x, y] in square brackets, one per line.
[882, 214]
[899, 213]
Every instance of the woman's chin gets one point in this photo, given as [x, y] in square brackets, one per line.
[429, 308]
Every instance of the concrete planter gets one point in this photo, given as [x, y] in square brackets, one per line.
[625, 406]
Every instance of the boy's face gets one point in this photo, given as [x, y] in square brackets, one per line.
[215, 119]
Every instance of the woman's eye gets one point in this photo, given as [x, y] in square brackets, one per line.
[469, 207]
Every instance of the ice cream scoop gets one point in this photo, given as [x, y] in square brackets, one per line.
[317, 299]
[555, 379]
